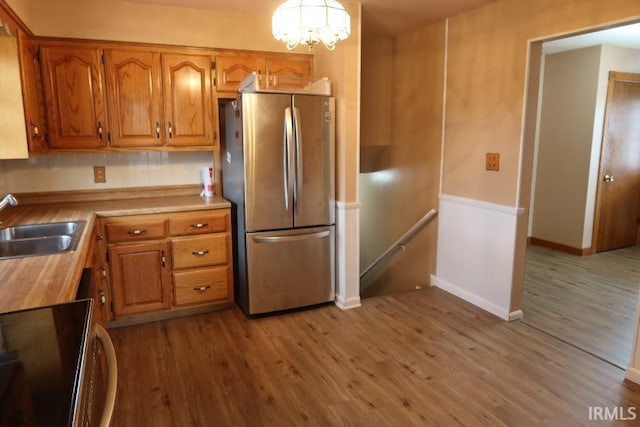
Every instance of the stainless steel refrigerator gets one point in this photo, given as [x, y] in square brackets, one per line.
[278, 171]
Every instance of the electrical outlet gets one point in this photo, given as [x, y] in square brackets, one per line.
[99, 174]
[493, 162]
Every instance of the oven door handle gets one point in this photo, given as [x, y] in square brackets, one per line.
[112, 374]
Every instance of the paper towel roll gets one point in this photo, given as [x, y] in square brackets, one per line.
[206, 175]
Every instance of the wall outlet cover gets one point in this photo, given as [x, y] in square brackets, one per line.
[99, 174]
[492, 162]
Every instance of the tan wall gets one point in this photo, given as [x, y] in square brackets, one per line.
[487, 59]
[395, 198]
[377, 89]
[342, 66]
[568, 108]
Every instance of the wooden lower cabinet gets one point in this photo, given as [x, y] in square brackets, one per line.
[166, 263]
[140, 278]
[201, 285]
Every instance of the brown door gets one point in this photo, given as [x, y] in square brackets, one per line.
[135, 98]
[141, 278]
[288, 73]
[231, 69]
[75, 97]
[188, 100]
[619, 186]
[32, 92]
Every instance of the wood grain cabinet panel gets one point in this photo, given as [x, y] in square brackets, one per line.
[199, 251]
[140, 277]
[189, 223]
[288, 73]
[188, 100]
[32, 92]
[136, 229]
[74, 96]
[202, 285]
[232, 69]
[135, 98]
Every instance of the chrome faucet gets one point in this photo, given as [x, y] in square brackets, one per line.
[8, 200]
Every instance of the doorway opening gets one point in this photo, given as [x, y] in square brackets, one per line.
[582, 127]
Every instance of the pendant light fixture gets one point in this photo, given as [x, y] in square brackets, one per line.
[311, 22]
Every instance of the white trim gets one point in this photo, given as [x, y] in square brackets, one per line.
[347, 255]
[589, 29]
[471, 298]
[346, 206]
[515, 315]
[348, 303]
[633, 375]
[509, 210]
[523, 121]
[444, 98]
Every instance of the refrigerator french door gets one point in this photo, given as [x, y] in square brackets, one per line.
[279, 174]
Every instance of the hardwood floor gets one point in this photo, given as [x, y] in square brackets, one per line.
[418, 358]
[587, 301]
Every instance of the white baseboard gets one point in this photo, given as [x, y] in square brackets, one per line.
[348, 303]
[633, 375]
[515, 315]
[492, 308]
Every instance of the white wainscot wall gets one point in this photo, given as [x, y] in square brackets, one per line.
[476, 246]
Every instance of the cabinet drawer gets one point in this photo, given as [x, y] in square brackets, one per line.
[198, 223]
[200, 286]
[133, 231]
[199, 251]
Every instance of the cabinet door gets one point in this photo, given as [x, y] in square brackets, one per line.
[188, 100]
[74, 96]
[135, 98]
[287, 73]
[140, 278]
[32, 92]
[231, 69]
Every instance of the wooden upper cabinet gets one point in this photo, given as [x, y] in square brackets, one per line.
[74, 96]
[232, 69]
[32, 92]
[188, 101]
[286, 73]
[134, 88]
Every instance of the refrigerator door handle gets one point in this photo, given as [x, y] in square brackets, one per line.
[280, 239]
[288, 135]
[297, 186]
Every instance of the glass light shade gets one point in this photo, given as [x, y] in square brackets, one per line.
[311, 22]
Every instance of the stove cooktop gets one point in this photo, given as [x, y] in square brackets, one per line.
[40, 361]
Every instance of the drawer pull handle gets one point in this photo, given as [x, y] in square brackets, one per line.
[137, 232]
[202, 289]
[199, 225]
[200, 253]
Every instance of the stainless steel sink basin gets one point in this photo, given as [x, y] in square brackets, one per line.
[40, 239]
[34, 246]
[39, 230]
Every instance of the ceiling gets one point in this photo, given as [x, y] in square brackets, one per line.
[628, 36]
[379, 16]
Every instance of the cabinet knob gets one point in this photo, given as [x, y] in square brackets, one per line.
[200, 253]
[199, 225]
[158, 130]
[170, 130]
[102, 298]
[137, 232]
[202, 289]
[100, 130]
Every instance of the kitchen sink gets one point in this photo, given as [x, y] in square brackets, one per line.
[39, 230]
[40, 239]
[34, 246]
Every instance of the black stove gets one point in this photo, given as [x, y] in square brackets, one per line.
[40, 364]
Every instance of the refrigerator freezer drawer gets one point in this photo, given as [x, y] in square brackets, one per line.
[290, 269]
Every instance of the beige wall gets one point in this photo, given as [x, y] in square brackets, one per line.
[394, 198]
[572, 119]
[487, 60]
[570, 88]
